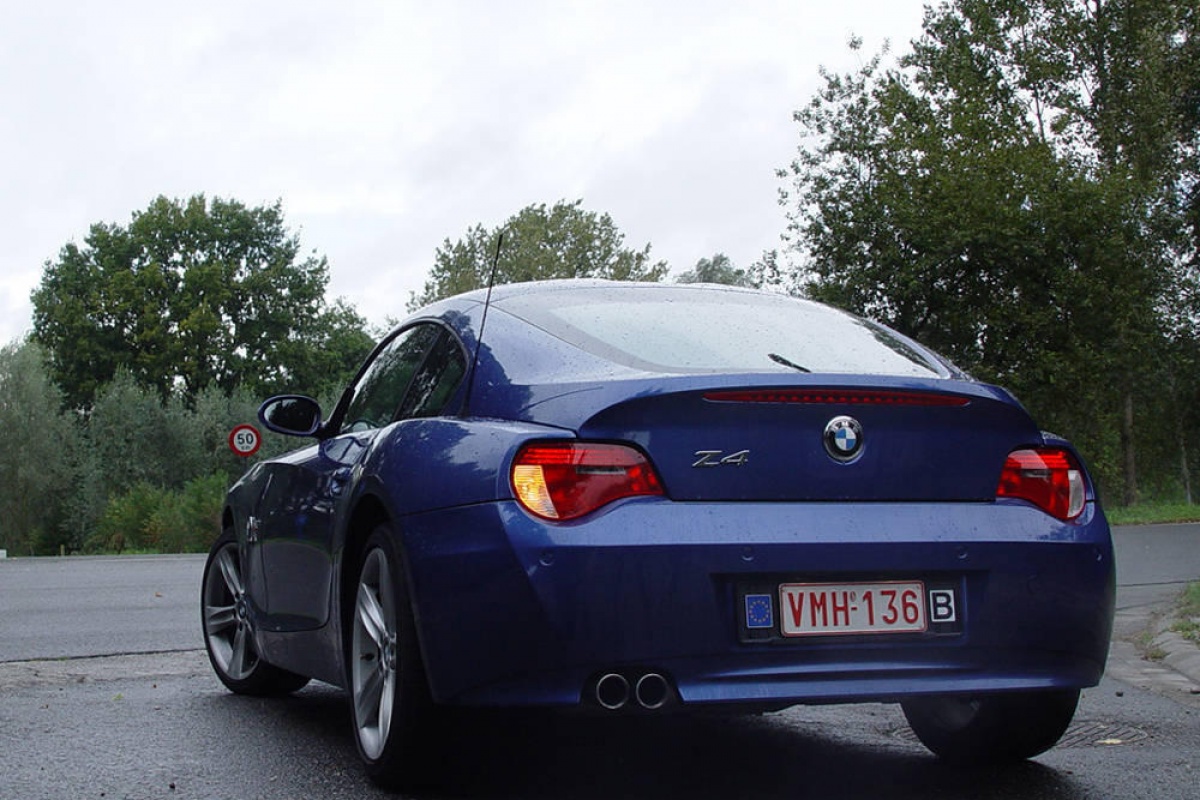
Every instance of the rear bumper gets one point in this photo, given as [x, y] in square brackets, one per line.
[515, 611]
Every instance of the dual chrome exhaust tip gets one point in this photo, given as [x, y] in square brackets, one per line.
[647, 690]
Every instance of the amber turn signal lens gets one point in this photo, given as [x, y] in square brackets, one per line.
[567, 480]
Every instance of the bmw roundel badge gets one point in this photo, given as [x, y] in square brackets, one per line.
[843, 438]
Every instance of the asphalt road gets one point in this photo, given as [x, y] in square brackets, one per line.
[76, 607]
[155, 723]
[166, 729]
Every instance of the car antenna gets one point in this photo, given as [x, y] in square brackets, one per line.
[487, 302]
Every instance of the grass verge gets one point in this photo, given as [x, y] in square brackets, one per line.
[1188, 624]
[1149, 513]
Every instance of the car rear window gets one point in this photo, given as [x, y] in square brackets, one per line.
[710, 329]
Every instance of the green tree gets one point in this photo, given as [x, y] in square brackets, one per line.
[128, 520]
[191, 294]
[37, 461]
[718, 269]
[188, 520]
[136, 438]
[1010, 192]
[149, 517]
[771, 274]
[563, 241]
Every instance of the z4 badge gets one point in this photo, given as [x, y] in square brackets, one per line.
[717, 458]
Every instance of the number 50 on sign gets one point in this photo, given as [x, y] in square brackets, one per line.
[244, 440]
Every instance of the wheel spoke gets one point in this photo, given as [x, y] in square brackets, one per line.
[219, 618]
[241, 661]
[229, 571]
[370, 614]
[386, 697]
[367, 698]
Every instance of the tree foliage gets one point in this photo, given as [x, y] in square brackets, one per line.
[137, 438]
[540, 243]
[37, 461]
[718, 269]
[133, 473]
[192, 294]
[1014, 191]
[149, 517]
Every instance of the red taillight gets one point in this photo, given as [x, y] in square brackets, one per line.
[1047, 477]
[565, 480]
[858, 397]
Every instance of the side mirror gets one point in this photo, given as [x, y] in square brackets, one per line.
[291, 414]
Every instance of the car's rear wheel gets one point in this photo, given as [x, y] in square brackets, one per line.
[229, 628]
[390, 700]
[991, 729]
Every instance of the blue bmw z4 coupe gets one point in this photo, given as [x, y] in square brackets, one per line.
[647, 498]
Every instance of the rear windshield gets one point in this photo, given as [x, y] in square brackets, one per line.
[696, 329]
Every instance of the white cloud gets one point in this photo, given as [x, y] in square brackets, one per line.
[386, 127]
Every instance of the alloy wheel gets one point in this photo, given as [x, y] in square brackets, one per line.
[374, 657]
[227, 623]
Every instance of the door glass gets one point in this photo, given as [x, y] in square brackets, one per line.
[379, 391]
[436, 381]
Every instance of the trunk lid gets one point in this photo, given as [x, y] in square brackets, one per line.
[937, 440]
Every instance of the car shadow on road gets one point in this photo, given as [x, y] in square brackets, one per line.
[546, 755]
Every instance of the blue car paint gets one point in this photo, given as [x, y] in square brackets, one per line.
[514, 610]
[651, 583]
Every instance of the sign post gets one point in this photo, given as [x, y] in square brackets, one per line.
[244, 440]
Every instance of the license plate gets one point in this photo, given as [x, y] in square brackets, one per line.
[821, 609]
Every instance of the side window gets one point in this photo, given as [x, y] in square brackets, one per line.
[436, 381]
[379, 391]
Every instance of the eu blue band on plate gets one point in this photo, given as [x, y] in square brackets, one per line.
[759, 611]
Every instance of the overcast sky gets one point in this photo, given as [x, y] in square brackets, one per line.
[387, 127]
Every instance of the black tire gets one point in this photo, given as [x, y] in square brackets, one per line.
[991, 729]
[229, 628]
[390, 702]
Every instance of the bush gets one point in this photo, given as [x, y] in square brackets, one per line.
[190, 520]
[125, 522]
[150, 518]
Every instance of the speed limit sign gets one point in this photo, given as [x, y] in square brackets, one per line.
[244, 440]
